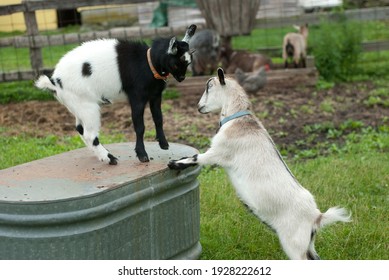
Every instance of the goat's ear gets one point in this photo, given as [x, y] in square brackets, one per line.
[296, 27]
[172, 46]
[189, 33]
[220, 73]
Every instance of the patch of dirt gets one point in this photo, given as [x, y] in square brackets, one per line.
[284, 107]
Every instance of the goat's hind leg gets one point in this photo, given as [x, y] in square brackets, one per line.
[303, 62]
[297, 243]
[88, 126]
[311, 253]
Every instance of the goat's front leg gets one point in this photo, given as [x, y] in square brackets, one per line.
[209, 157]
[183, 163]
[137, 112]
[155, 107]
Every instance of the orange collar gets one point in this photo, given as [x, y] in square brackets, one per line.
[156, 74]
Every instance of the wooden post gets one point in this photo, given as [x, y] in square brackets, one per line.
[229, 18]
[32, 31]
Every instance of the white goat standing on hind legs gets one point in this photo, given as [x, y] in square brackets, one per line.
[261, 178]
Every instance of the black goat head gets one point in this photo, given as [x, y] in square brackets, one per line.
[190, 31]
[180, 55]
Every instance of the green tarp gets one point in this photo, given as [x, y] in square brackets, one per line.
[160, 16]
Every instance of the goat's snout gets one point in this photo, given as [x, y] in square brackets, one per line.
[201, 108]
[180, 78]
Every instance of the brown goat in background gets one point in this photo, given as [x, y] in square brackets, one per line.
[295, 46]
[246, 61]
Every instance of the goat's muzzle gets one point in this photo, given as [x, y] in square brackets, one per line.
[179, 78]
[201, 109]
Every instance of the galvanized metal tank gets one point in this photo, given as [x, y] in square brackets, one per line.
[70, 206]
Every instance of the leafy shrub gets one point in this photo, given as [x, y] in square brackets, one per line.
[337, 49]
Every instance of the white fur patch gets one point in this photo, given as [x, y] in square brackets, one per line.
[188, 58]
[186, 160]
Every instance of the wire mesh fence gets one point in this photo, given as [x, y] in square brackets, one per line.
[34, 34]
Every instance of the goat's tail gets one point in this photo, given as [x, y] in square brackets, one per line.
[289, 48]
[334, 214]
[45, 82]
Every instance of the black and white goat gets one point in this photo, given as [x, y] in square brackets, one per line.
[261, 178]
[102, 71]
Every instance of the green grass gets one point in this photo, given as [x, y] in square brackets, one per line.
[22, 91]
[20, 149]
[23, 148]
[261, 38]
[373, 64]
[272, 37]
[375, 30]
[12, 59]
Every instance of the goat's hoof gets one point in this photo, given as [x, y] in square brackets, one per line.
[143, 158]
[176, 165]
[173, 165]
[112, 160]
[164, 146]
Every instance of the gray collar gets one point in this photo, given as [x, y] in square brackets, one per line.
[234, 116]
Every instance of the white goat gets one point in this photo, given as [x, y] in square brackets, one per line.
[261, 178]
[295, 46]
